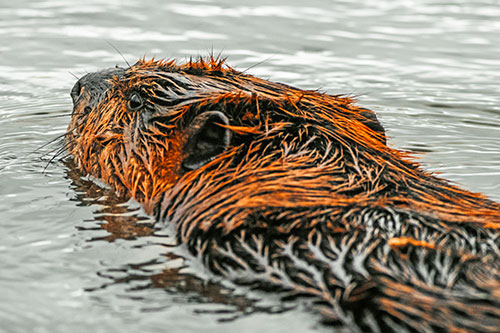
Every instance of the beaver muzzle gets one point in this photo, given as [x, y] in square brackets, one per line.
[92, 87]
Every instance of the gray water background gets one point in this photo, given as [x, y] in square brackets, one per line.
[430, 69]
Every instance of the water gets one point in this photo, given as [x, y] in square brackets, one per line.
[76, 258]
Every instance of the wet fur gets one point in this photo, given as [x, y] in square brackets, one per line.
[307, 199]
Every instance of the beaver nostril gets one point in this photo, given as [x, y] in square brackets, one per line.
[76, 91]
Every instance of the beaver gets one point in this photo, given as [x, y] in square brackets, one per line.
[294, 192]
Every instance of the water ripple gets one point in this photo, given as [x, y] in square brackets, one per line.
[75, 255]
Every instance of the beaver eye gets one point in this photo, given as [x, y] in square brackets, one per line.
[135, 102]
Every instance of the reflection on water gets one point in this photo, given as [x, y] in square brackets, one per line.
[167, 271]
[75, 255]
[114, 215]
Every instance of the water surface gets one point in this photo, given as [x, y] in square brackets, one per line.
[77, 258]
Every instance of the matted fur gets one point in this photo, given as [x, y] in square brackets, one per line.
[307, 199]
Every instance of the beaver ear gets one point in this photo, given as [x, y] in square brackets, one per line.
[206, 139]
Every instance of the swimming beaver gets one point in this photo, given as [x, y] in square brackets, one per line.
[293, 191]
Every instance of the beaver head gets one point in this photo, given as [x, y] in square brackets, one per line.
[140, 129]
[290, 188]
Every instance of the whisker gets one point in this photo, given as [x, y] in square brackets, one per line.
[116, 49]
[50, 152]
[76, 77]
[61, 151]
[59, 137]
[259, 63]
[44, 155]
[59, 115]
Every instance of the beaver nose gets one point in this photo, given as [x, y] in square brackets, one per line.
[95, 84]
[76, 91]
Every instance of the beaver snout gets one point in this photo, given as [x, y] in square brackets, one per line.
[76, 91]
[94, 85]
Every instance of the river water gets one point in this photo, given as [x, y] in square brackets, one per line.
[76, 258]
